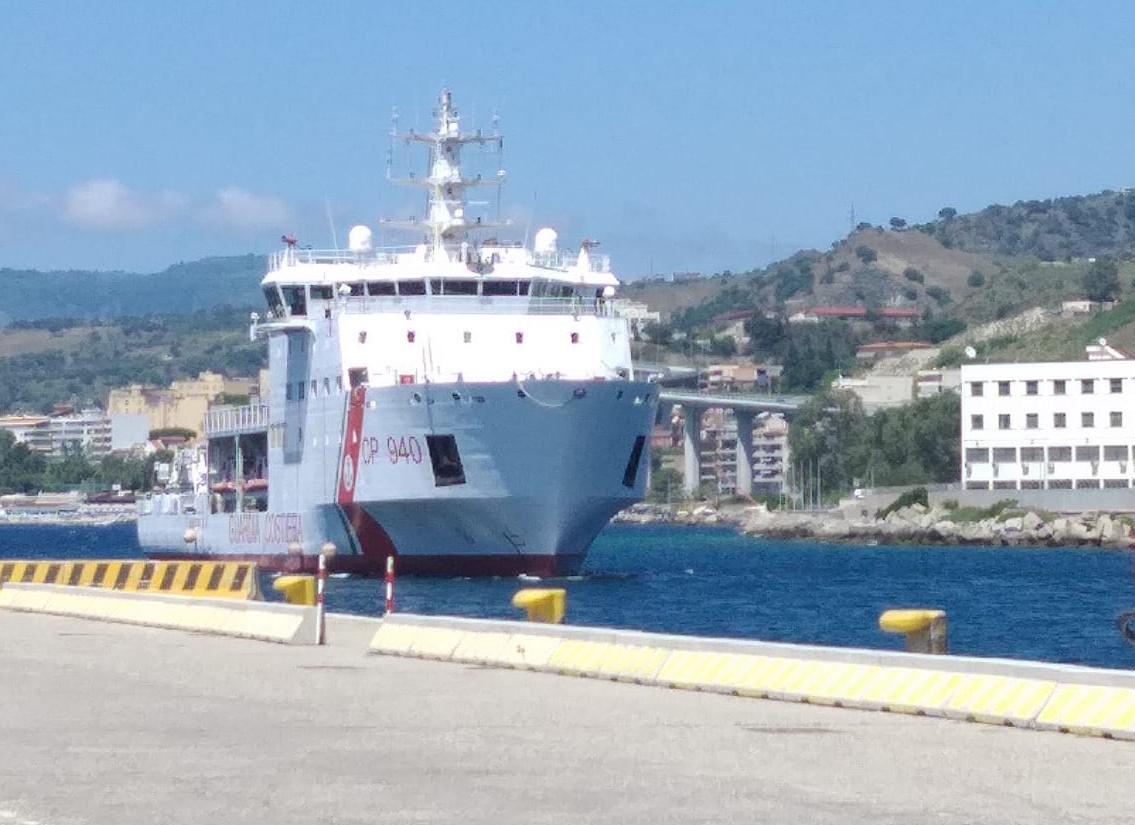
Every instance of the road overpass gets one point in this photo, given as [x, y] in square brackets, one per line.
[745, 406]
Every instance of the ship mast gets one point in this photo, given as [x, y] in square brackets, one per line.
[447, 222]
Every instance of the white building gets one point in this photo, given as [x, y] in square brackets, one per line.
[1049, 426]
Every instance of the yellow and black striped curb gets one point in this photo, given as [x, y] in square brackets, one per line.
[1022, 694]
[214, 579]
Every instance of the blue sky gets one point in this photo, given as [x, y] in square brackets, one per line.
[708, 136]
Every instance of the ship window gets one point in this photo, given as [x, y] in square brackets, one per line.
[463, 286]
[380, 287]
[499, 288]
[288, 391]
[520, 337]
[300, 388]
[314, 387]
[275, 305]
[295, 299]
[524, 286]
[339, 383]
[446, 460]
[630, 475]
[415, 287]
[326, 386]
[435, 286]
[322, 292]
[357, 289]
[357, 376]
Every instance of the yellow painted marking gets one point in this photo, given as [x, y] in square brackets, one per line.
[999, 699]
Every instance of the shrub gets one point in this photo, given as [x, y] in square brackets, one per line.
[916, 495]
[866, 253]
[976, 279]
[912, 274]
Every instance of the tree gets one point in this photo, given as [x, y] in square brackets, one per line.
[866, 253]
[976, 279]
[947, 213]
[898, 224]
[21, 470]
[1101, 281]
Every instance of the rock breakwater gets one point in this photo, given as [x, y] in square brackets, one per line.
[916, 524]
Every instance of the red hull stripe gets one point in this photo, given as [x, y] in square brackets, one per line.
[352, 440]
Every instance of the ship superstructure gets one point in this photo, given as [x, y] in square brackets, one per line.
[465, 403]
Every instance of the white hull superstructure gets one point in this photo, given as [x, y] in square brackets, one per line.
[465, 405]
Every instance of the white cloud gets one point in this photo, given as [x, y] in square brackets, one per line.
[107, 204]
[237, 209]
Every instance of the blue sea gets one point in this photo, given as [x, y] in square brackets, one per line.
[1056, 605]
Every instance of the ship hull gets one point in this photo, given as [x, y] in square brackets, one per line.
[541, 470]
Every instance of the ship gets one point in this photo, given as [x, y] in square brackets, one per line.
[463, 404]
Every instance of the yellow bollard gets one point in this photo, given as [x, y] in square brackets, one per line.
[542, 604]
[925, 629]
[296, 589]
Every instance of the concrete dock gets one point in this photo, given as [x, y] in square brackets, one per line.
[106, 724]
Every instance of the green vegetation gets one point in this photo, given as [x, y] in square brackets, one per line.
[154, 350]
[917, 495]
[25, 471]
[183, 288]
[969, 515]
[913, 444]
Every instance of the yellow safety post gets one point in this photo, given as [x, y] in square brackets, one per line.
[542, 604]
[925, 629]
[296, 589]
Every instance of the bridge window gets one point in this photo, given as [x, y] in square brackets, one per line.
[500, 288]
[275, 305]
[295, 299]
[355, 290]
[414, 287]
[322, 292]
[380, 288]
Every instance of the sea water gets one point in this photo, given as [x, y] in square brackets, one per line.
[1049, 604]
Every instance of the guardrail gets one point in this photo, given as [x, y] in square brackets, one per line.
[224, 580]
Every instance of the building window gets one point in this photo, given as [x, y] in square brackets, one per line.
[1087, 419]
[1060, 484]
[1031, 421]
[1059, 420]
[976, 389]
[1115, 452]
[1087, 386]
[1114, 483]
[1003, 421]
[1031, 387]
[1087, 484]
[1032, 453]
[1059, 453]
[1002, 387]
[1059, 386]
[1116, 418]
[977, 455]
[1088, 453]
[1003, 455]
[977, 422]
[1116, 385]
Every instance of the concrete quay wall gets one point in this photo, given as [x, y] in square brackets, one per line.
[1037, 695]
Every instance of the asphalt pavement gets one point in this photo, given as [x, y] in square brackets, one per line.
[114, 724]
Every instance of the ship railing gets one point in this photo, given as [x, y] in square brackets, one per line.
[387, 255]
[249, 418]
[479, 305]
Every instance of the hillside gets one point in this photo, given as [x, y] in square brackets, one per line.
[31, 295]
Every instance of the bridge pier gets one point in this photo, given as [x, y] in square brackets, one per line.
[744, 452]
[691, 448]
